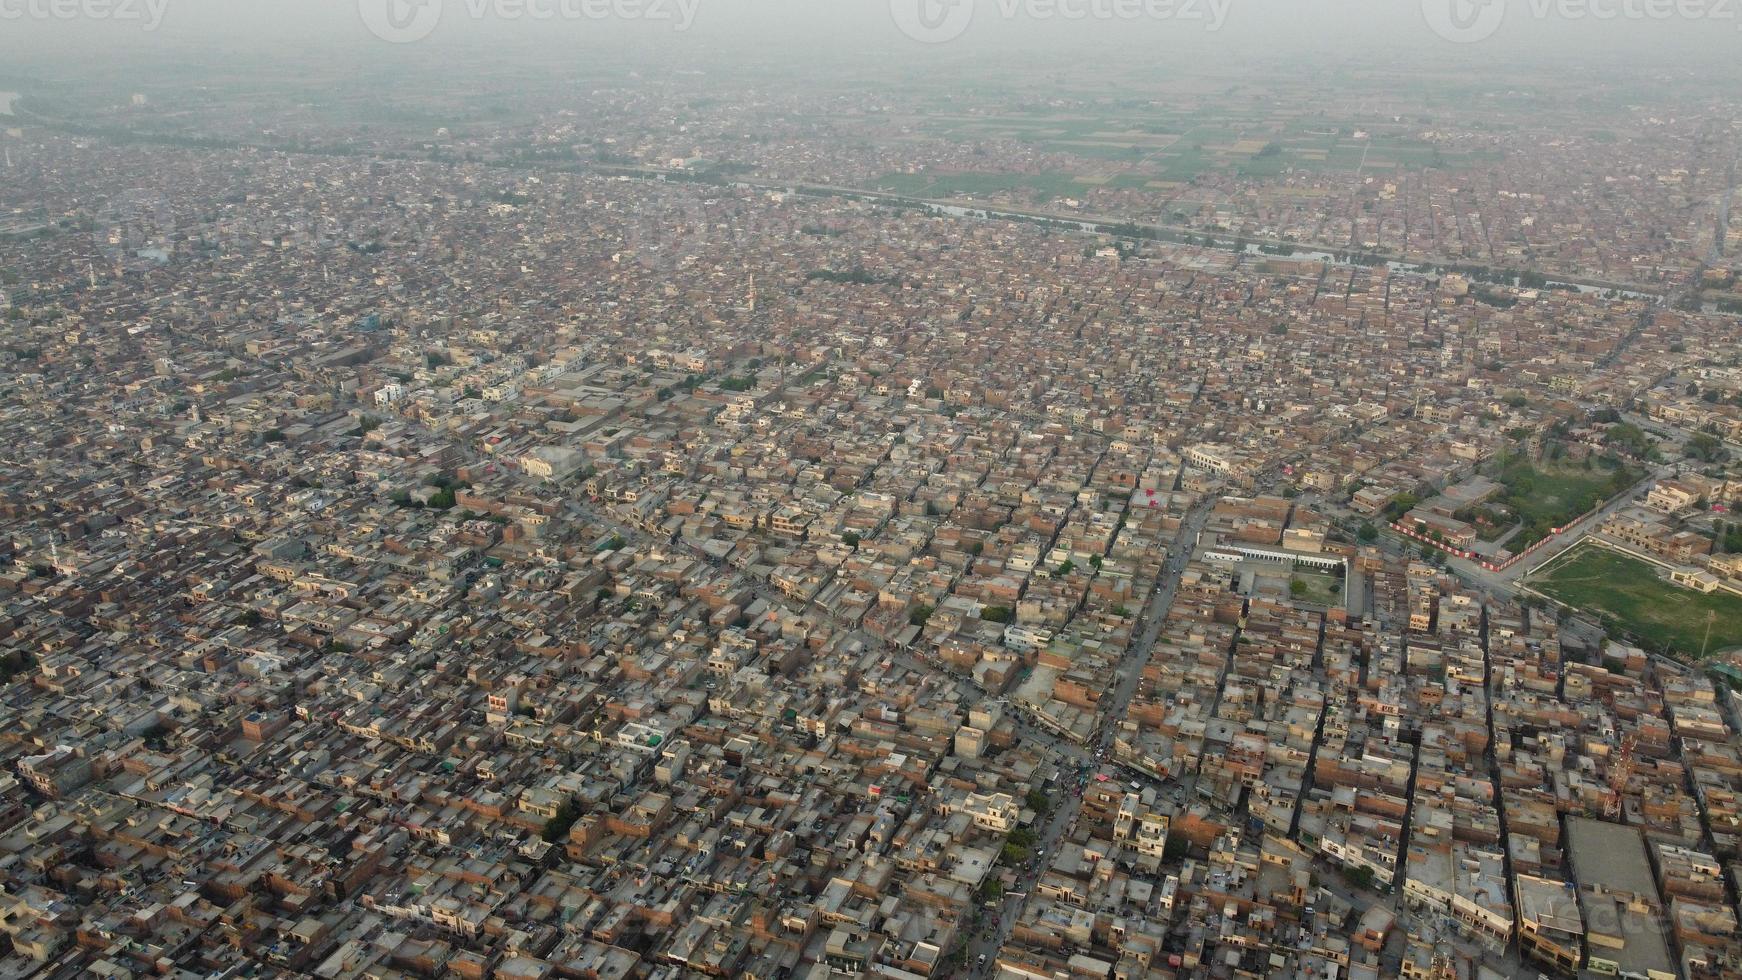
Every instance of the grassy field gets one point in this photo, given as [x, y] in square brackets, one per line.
[1317, 589]
[1628, 594]
[1542, 497]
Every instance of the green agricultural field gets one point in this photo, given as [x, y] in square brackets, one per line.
[1144, 143]
[1040, 188]
[914, 185]
[1629, 595]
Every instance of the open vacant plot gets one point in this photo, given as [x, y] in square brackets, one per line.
[1628, 594]
[1317, 589]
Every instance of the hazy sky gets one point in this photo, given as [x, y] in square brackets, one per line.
[1666, 31]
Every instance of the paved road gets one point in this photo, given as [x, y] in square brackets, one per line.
[1129, 672]
[1503, 582]
[1000, 921]
[998, 924]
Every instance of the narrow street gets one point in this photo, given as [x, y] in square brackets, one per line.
[1069, 805]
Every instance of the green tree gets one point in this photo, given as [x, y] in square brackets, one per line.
[558, 826]
[1175, 849]
[1402, 504]
[14, 664]
[1706, 448]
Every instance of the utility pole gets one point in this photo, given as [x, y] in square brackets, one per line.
[1711, 617]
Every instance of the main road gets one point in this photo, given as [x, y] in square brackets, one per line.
[1007, 911]
[1069, 805]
